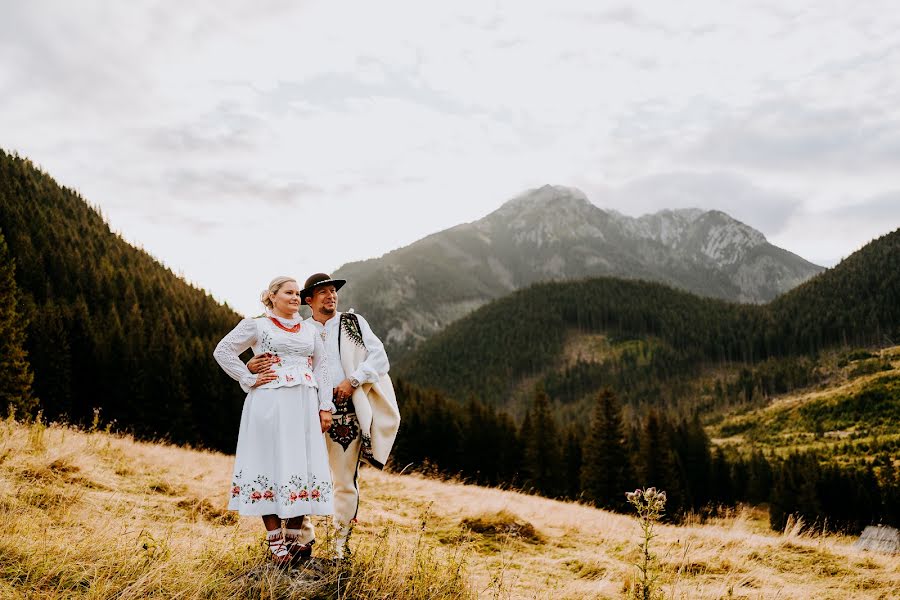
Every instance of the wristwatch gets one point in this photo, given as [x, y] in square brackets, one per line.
[354, 382]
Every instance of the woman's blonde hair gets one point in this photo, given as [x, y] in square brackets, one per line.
[273, 288]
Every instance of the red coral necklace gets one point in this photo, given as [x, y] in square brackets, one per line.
[278, 324]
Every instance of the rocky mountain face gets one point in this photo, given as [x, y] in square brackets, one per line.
[555, 233]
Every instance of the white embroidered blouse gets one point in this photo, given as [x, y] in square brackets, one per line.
[300, 355]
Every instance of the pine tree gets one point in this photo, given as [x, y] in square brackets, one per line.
[891, 495]
[794, 491]
[573, 462]
[656, 463]
[83, 350]
[543, 459]
[482, 443]
[51, 359]
[759, 480]
[693, 450]
[165, 360]
[511, 463]
[605, 472]
[722, 487]
[15, 372]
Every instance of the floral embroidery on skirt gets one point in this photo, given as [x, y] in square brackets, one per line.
[296, 489]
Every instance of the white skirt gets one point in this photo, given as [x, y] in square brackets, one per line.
[281, 463]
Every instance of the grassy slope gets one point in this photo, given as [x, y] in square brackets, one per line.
[857, 404]
[857, 408]
[90, 515]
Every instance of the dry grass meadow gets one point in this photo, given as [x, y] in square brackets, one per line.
[93, 515]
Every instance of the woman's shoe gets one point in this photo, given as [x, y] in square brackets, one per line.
[278, 549]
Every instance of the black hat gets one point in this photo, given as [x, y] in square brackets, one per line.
[314, 281]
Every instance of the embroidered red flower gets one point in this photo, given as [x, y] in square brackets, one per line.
[293, 496]
[289, 378]
[309, 361]
[256, 495]
[268, 495]
[303, 494]
[236, 491]
[308, 376]
[315, 494]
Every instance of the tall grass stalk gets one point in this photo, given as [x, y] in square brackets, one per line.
[650, 505]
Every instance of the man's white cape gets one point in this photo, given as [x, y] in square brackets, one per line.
[376, 408]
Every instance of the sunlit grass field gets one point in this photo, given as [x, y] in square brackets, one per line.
[94, 515]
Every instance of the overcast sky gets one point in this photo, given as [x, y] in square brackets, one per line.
[238, 140]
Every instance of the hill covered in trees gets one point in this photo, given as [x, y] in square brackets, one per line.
[106, 325]
[682, 365]
[657, 335]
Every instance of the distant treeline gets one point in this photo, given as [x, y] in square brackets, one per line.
[600, 457]
[105, 325]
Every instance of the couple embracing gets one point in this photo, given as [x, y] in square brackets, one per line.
[319, 401]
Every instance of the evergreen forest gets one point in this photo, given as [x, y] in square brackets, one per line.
[105, 326]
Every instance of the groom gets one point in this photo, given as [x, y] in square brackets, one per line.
[366, 418]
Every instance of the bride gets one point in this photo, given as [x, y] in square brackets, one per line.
[281, 465]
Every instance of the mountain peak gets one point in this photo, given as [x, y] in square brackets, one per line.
[555, 233]
[546, 196]
[548, 214]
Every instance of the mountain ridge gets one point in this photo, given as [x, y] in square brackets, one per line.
[554, 233]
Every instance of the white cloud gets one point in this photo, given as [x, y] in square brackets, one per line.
[826, 237]
[763, 209]
[787, 136]
[215, 132]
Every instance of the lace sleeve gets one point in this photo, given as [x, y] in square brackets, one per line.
[320, 370]
[228, 351]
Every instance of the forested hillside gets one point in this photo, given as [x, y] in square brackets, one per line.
[673, 359]
[855, 303]
[109, 327]
[523, 336]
